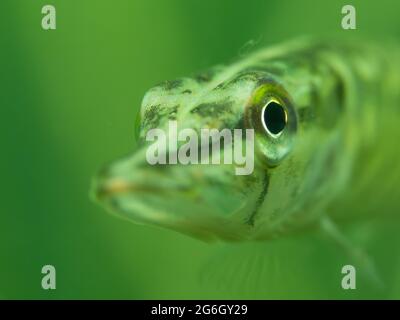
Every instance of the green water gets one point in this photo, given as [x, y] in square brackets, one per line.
[68, 102]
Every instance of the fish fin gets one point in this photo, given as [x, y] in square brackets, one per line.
[359, 257]
[277, 269]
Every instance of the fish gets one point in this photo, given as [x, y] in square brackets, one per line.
[325, 116]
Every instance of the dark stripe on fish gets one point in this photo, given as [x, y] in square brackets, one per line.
[213, 109]
[260, 199]
[171, 84]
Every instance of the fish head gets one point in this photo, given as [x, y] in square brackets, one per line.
[204, 199]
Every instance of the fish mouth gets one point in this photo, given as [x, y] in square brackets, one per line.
[130, 200]
[188, 199]
[141, 204]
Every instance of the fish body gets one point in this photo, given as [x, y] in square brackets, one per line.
[335, 154]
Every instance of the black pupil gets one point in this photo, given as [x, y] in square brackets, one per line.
[274, 118]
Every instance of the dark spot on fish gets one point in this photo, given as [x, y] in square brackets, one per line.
[173, 112]
[266, 79]
[155, 113]
[171, 84]
[212, 109]
[204, 77]
[247, 75]
[306, 115]
[220, 86]
[151, 114]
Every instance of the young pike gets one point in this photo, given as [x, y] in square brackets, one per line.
[325, 117]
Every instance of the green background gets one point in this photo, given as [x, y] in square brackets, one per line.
[68, 101]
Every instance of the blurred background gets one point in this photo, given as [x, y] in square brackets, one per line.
[68, 100]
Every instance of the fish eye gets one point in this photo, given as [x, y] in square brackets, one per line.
[270, 111]
[274, 118]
